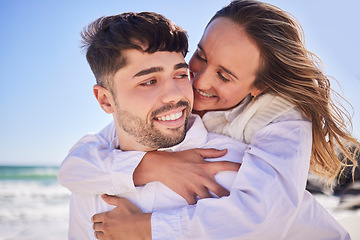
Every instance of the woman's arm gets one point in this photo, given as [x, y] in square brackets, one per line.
[94, 167]
[185, 172]
[264, 199]
[265, 196]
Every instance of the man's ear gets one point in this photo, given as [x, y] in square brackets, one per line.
[105, 99]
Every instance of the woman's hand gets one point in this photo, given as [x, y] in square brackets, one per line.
[185, 172]
[125, 221]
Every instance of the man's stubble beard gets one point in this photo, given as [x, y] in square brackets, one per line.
[145, 132]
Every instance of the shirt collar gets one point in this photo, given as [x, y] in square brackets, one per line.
[196, 135]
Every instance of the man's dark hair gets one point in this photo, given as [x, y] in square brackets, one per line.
[106, 38]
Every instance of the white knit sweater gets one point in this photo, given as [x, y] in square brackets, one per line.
[243, 121]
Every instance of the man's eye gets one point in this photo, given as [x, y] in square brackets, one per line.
[182, 76]
[148, 83]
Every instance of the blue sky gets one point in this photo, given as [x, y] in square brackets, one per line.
[46, 100]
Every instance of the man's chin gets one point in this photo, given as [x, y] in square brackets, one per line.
[174, 137]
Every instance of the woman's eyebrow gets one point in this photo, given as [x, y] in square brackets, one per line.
[199, 47]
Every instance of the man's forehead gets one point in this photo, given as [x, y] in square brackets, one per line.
[139, 53]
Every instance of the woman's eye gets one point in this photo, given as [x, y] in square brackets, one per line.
[222, 77]
[197, 55]
[148, 83]
[182, 76]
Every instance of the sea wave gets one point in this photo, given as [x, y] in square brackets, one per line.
[28, 173]
[33, 204]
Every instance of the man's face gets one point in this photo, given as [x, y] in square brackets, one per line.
[152, 100]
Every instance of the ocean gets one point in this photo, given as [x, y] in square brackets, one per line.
[33, 205]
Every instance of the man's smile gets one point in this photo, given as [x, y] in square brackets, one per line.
[171, 117]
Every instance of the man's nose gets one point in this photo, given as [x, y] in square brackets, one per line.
[172, 91]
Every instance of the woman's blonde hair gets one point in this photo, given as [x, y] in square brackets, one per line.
[293, 72]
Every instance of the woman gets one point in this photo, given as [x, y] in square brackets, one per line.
[278, 74]
[255, 81]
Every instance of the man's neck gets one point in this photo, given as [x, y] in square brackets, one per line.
[129, 143]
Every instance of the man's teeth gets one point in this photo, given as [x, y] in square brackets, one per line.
[204, 94]
[173, 116]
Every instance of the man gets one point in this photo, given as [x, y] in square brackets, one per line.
[138, 62]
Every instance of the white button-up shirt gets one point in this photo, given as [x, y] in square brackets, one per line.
[267, 198]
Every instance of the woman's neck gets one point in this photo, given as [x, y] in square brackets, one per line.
[200, 113]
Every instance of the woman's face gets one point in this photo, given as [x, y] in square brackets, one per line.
[224, 66]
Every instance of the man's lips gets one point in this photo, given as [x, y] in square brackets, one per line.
[171, 116]
[204, 94]
[172, 119]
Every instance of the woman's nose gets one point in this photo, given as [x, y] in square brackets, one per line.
[202, 79]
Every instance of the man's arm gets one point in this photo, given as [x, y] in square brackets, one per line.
[94, 167]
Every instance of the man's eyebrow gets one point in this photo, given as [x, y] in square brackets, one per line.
[228, 71]
[159, 69]
[181, 65]
[148, 71]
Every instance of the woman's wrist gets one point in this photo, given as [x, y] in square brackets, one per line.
[146, 171]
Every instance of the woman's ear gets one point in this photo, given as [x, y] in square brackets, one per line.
[258, 90]
[105, 99]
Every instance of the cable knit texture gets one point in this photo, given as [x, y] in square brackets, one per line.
[259, 113]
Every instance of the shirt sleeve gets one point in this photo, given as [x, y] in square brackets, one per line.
[264, 197]
[93, 167]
